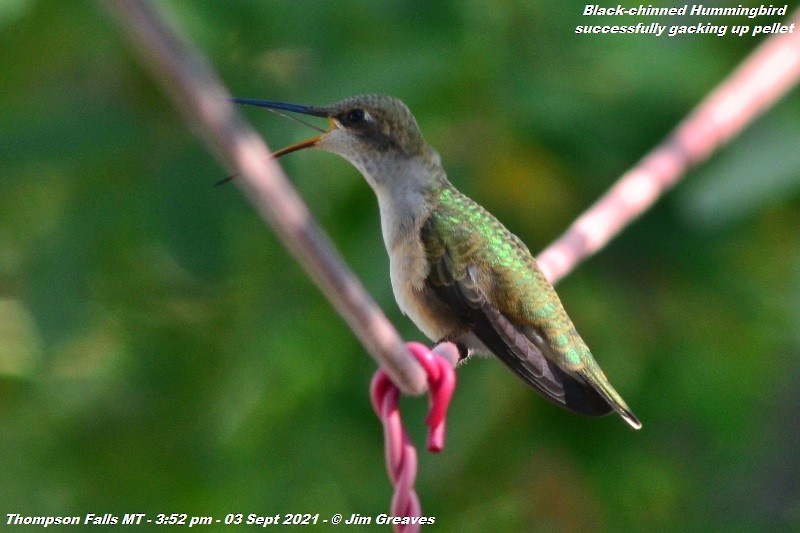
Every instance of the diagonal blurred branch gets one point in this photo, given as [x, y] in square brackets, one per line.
[764, 77]
[200, 95]
[770, 71]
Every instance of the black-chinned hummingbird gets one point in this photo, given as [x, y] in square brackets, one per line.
[456, 271]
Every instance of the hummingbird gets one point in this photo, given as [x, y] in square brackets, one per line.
[455, 270]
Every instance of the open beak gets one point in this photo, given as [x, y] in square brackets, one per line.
[294, 108]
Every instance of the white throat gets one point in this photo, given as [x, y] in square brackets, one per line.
[401, 186]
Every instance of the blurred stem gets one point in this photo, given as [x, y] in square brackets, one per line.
[200, 95]
[770, 71]
[758, 83]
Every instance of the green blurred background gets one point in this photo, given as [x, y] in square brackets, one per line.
[160, 352]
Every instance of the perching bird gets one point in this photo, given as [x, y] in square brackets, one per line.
[456, 271]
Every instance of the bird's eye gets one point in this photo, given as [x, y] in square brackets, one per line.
[354, 116]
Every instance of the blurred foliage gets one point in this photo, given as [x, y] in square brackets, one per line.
[160, 352]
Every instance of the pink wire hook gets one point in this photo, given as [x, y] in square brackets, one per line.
[401, 456]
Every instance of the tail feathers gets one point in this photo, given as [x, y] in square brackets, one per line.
[595, 377]
[626, 414]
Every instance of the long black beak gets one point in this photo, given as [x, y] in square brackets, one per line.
[284, 106]
[295, 108]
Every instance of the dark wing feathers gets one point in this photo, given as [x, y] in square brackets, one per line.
[522, 355]
[519, 347]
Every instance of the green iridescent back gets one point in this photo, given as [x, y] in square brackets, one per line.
[519, 289]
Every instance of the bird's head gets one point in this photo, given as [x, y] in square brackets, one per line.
[365, 129]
